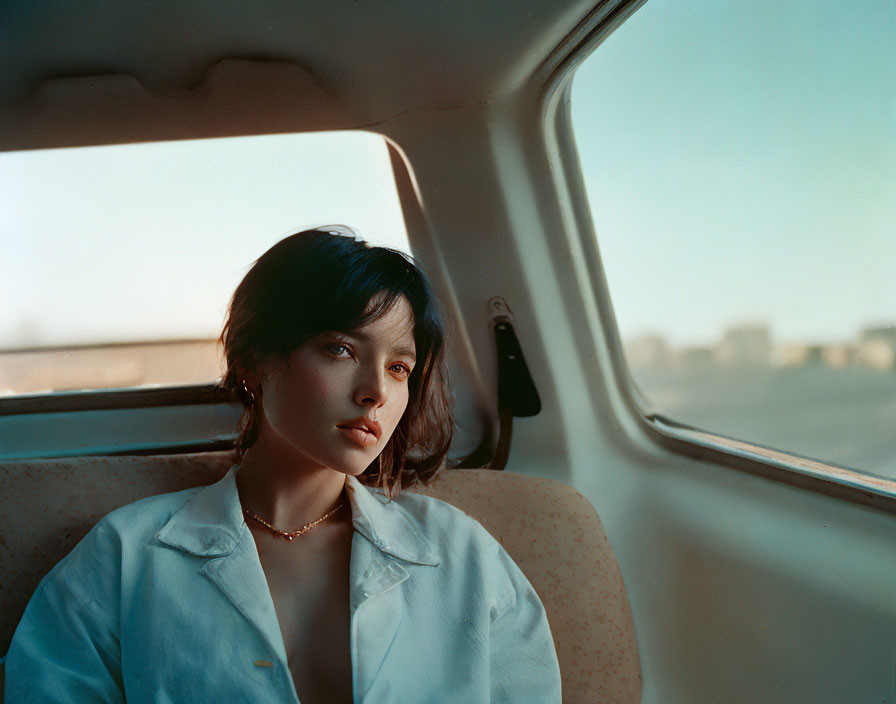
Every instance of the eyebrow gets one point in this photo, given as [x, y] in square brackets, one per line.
[406, 352]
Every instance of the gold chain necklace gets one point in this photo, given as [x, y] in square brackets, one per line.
[289, 535]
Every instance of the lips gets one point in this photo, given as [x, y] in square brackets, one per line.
[362, 430]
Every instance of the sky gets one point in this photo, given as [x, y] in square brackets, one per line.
[149, 241]
[740, 161]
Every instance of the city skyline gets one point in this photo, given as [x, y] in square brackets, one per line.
[753, 344]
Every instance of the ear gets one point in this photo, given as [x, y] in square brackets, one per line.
[248, 373]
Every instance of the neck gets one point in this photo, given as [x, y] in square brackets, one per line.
[287, 491]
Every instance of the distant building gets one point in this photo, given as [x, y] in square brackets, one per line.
[744, 345]
[693, 358]
[877, 348]
[838, 356]
[795, 354]
[647, 351]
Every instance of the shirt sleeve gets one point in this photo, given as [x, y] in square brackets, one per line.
[65, 648]
[524, 665]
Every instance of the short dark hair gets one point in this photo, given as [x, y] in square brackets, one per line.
[322, 279]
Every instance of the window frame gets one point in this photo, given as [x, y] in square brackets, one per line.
[791, 468]
[112, 399]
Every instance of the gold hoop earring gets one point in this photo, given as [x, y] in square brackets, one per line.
[248, 393]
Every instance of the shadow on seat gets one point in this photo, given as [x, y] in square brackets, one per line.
[550, 530]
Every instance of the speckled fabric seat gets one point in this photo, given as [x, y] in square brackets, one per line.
[550, 530]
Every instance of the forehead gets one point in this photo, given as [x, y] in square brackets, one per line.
[395, 325]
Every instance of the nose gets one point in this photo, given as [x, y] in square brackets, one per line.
[371, 390]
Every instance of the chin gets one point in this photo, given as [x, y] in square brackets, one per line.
[354, 469]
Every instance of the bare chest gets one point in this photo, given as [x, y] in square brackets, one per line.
[309, 585]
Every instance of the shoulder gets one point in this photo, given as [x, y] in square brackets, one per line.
[143, 518]
[462, 544]
[468, 549]
[119, 534]
[439, 520]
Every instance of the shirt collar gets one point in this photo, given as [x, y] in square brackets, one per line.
[388, 525]
[210, 523]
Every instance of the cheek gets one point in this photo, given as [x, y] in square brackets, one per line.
[322, 394]
[401, 404]
[304, 389]
[315, 386]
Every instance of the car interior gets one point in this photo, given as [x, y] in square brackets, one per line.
[676, 564]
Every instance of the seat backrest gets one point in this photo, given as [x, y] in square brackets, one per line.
[554, 535]
[47, 506]
[549, 529]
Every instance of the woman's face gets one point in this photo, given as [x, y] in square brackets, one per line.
[337, 400]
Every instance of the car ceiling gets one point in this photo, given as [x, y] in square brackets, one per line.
[379, 59]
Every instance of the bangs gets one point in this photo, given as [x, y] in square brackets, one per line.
[371, 288]
[319, 280]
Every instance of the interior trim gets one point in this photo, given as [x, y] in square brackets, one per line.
[110, 399]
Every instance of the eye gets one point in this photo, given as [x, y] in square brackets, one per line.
[400, 368]
[339, 349]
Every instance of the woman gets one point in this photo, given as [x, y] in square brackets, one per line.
[305, 573]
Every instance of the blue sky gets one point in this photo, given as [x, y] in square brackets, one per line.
[740, 159]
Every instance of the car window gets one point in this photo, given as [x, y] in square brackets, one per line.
[119, 261]
[740, 163]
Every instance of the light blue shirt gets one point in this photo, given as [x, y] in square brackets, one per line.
[165, 600]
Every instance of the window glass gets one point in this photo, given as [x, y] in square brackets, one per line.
[118, 262]
[740, 162]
